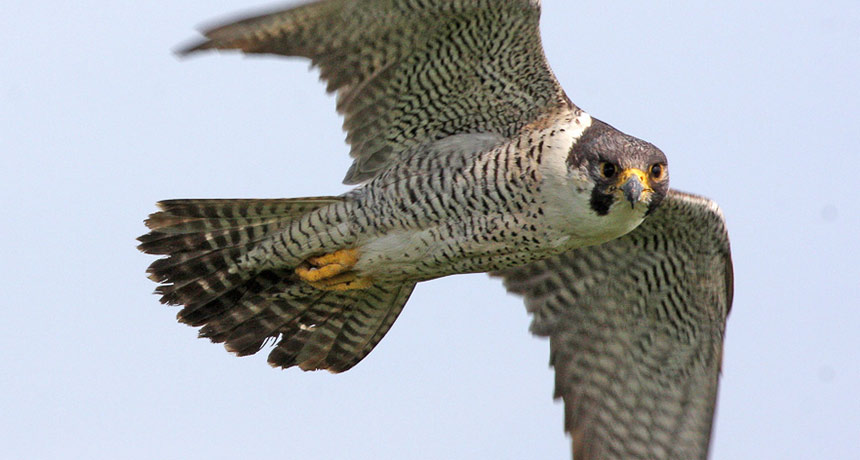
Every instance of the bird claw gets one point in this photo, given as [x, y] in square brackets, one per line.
[331, 272]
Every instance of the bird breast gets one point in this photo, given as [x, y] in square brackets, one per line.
[510, 205]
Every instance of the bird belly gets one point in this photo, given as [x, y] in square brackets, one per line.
[478, 244]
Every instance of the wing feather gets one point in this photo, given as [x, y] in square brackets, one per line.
[408, 72]
[636, 331]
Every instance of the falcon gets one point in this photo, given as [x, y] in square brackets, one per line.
[468, 157]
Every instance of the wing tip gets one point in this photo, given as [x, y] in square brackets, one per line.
[232, 35]
[213, 42]
[194, 46]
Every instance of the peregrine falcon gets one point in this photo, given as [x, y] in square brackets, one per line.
[468, 157]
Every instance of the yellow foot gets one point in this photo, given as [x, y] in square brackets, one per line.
[342, 282]
[330, 272]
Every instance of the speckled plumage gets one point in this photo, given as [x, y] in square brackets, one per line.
[410, 70]
[470, 158]
[636, 329]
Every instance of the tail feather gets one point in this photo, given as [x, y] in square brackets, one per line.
[180, 267]
[203, 241]
[367, 330]
[305, 342]
[317, 329]
[248, 317]
[204, 238]
[181, 271]
[244, 208]
[340, 343]
[207, 309]
[195, 225]
[248, 337]
[170, 241]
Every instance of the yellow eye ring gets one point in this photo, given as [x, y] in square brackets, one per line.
[657, 171]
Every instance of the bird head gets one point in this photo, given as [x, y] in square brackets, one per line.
[624, 170]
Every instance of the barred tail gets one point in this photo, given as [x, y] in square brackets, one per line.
[204, 240]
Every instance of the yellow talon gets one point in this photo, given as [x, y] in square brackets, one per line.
[343, 282]
[330, 272]
[314, 274]
[344, 257]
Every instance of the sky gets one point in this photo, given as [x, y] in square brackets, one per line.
[756, 104]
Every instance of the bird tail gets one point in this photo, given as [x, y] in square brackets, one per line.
[205, 241]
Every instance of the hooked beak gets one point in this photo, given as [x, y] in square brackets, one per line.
[632, 182]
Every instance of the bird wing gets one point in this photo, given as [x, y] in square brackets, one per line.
[636, 331]
[409, 72]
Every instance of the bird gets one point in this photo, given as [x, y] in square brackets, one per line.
[468, 157]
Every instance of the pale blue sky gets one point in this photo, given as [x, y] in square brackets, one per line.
[757, 105]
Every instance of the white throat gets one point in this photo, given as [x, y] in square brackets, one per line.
[567, 193]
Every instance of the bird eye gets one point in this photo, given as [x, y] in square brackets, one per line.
[608, 169]
[657, 171]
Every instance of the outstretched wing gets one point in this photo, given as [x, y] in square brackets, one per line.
[636, 332]
[407, 72]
